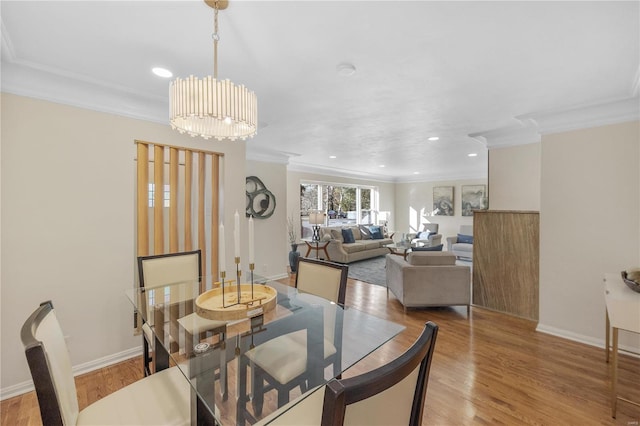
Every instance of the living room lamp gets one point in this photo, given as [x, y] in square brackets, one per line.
[210, 107]
[316, 219]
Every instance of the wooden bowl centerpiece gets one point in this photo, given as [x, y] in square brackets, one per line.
[210, 303]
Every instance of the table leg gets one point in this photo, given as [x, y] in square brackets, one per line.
[326, 253]
[614, 373]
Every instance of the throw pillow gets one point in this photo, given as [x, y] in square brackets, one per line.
[356, 232]
[336, 235]
[424, 235]
[347, 236]
[434, 248]
[365, 234]
[376, 232]
[467, 239]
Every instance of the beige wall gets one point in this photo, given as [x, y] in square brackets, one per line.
[514, 178]
[68, 180]
[272, 260]
[414, 203]
[589, 226]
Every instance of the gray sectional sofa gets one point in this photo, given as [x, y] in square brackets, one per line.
[364, 246]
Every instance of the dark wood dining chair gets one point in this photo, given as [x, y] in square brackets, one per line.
[282, 362]
[392, 394]
[160, 399]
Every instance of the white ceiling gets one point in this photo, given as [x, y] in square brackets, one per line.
[463, 71]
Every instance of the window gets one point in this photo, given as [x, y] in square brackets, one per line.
[343, 204]
[152, 194]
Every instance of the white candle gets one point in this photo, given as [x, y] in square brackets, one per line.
[236, 234]
[221, 252]
[251, 239]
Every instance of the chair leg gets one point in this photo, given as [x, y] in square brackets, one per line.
[283, 397]
[146, 357]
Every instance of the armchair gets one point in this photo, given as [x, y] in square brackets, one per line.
[428, 236]
[428, 278]
[462, 244]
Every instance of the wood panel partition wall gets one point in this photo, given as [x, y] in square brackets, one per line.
[506, 261]
[176, 214]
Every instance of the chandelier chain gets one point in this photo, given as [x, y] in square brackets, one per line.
[215, 37]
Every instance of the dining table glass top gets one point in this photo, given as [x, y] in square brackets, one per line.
[226, 386]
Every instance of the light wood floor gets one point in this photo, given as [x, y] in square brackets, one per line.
[488, 368]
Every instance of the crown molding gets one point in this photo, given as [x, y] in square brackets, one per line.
[439, 178]
[530, 127]
[585, 116]
[332, 171]
[522, 133]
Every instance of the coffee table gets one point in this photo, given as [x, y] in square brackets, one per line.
[403, 249]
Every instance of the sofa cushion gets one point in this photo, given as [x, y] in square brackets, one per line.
[336, 234]
[462, 247]
[365, 234]
[466, 239]
[370, 244]
[434, 248]
[376, 232]
[347, 236]
[431, 258]
[352, 247]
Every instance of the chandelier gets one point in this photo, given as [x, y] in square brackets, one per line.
[213, 108]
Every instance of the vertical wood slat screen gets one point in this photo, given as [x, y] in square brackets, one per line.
[179, 221]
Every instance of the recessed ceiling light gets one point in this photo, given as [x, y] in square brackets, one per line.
[473, 154]
[381, 165]
[416, 173]
[433, 138]
[162, 72]
[332, 156]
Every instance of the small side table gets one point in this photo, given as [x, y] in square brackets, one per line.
[623, 305]
[317, 246]
[401, 249]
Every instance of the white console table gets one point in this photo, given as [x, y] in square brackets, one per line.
[623, 313]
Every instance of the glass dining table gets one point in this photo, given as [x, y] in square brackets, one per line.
[225, 388]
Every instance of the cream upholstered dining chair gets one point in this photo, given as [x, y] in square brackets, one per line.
[159, 399]
[164, 269]
[392, 394]
[283, 361]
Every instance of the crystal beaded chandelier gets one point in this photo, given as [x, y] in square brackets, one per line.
[212, 108]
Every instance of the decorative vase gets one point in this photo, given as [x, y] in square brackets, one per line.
[293, 258]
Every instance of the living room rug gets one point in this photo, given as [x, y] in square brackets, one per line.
[369, 270]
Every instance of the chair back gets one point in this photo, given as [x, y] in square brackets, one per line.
[431, 227]
[391, 394]
[322, 278]
[164, 269]
[50, 366]
[466, 230]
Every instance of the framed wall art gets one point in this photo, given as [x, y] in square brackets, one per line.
[443, 201]
[474, 197]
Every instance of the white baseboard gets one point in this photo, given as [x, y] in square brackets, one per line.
[588, 340]
[87, 367]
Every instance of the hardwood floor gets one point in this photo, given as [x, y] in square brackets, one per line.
[488, 368]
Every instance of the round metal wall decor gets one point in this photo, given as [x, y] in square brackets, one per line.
[261, 203]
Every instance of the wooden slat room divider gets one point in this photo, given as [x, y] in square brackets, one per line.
[173, 204]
